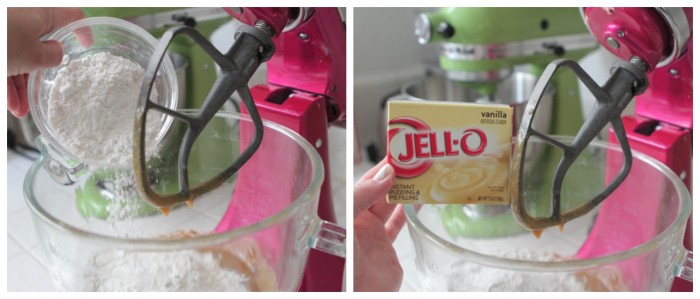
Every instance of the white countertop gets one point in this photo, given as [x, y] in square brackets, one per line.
[25, 267]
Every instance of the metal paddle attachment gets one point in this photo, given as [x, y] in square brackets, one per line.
[628, 80]
[252, 47]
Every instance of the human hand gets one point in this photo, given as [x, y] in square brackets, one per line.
[27, 53]
[376, 224]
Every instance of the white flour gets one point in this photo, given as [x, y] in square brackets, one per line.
[161, 271]
[92, 106]
[473, 277]
[91, 110]
[124, 206]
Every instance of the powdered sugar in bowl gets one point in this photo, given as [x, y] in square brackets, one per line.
[95, 94]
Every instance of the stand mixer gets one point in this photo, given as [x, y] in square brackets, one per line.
[655, 46]
[306, 93]
[662, 125]
[481, 47]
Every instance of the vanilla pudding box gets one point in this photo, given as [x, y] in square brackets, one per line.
[449, 153]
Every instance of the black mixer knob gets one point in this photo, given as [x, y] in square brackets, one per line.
[555, 48]
[445, 29]
[186, 20]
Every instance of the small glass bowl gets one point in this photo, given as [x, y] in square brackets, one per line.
[116, 36]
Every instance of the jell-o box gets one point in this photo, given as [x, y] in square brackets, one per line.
[449, 152]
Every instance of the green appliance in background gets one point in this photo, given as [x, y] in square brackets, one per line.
[482, 46]
[196, 74]
[485, 56]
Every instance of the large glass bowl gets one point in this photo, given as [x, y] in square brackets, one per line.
[94, 35]
[261, 224]
[633, 242]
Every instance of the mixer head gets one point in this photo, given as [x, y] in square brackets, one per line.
[252, 47]
[657, 36]
[662, 38]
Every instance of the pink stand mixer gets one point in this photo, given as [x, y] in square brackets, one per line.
[662, 126]
[305, 52]
[655, 46]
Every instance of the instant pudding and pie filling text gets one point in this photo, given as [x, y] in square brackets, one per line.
[449, 153]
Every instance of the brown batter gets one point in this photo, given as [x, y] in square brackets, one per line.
[603, 281]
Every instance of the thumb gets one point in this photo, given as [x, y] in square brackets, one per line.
[48, 54]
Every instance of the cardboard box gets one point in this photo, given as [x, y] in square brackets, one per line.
[449, 153]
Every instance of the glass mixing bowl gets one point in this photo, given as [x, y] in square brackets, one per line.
[94, 35]
[633, 241]
[252, 233]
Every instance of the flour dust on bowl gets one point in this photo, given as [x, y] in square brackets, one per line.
[631, 242]
[253, 233]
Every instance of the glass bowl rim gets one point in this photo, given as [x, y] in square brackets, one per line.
[312, 192]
